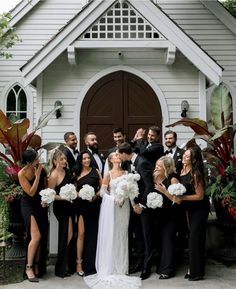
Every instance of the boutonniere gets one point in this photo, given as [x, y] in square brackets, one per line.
[178, 154]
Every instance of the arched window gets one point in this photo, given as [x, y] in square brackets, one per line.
[17, 102]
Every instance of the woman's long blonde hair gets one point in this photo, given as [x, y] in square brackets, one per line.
[56, 154]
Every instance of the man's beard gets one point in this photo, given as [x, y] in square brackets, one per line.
[93, 148]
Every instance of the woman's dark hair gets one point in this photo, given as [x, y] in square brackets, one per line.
[197, 164]
[28, 156]
[78, 166]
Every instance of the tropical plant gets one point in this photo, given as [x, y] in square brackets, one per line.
[15, 140]
[219, 136]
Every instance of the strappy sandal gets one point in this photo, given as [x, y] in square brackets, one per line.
[32, 278]
[81, 272]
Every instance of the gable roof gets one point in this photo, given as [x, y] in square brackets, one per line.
[20, 10]
[221, 13]
[83, 20]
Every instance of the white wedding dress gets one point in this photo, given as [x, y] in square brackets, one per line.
[112, 246]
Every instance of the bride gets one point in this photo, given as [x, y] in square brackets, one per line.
[112, 245]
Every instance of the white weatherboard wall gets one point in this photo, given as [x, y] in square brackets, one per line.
[208, 31]
[64, 82]
[34, 31]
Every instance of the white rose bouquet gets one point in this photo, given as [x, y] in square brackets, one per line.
[68, 192]
[126, 187]
[47, 196]
[154, 200]
[87, 192]
[177, 189]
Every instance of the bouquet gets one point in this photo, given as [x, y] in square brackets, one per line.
[126, 187]
[68, 192]
[87, 193]
[177, 189]
[47, 196]
[154, 200]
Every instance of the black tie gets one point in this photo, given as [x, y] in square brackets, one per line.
[168, 152]
[76, 151]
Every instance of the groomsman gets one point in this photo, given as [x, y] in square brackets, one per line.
[143, 166]
[71, 151]
[97, 159]
[173, 150]
[118, 137]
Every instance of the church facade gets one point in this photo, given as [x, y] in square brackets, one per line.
[117, 63]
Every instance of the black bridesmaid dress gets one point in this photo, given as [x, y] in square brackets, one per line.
[197, 215]
[90, 212]
[63, 210]
[31, 206]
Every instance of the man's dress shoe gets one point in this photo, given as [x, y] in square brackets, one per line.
[145, 274]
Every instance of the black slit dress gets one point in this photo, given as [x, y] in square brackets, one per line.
[90, 212]
[63, 210]
[31, 206]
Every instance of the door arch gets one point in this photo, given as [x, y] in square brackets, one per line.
[119, 99]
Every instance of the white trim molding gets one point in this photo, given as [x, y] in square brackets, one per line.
[142, 75]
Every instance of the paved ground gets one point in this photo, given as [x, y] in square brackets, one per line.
[218, 276]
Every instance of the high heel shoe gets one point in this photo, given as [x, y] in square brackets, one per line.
[32, 278]
[80, 272]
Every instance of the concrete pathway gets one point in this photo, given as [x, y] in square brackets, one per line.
[217, 276]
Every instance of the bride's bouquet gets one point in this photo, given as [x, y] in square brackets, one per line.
[154, 200]
[126, 187]
[68, 192]
[177, 189]
[47, 196]
[87, 192]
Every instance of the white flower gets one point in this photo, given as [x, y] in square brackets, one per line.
[177, 189]
[154, 200]
[47, 195]
[87, 193]
[68, 192]
[126, 187]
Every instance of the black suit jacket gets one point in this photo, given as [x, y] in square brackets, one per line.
[153, 153]
[178, 159]
[70, 158]
[145, 184]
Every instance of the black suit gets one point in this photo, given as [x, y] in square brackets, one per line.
[70, 158]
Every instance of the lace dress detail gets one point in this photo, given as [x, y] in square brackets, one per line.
[112, 247]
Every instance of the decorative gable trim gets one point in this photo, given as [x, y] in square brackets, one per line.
[121, 22]
[94, 10]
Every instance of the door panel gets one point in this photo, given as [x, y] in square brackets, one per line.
[119, 99]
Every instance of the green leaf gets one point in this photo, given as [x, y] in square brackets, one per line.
[221, 106]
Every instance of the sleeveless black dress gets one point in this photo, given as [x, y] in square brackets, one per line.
[31, 206]
[197, 215]
[63, 210]
[90, 212]
[167, 217]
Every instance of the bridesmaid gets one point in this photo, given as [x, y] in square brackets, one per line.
[59, 176]
[164, 175]
[32, 178]
[197, 206]
[87, 214]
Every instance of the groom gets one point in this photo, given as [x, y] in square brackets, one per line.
[143, 166]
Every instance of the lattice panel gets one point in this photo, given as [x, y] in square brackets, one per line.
[121, 22]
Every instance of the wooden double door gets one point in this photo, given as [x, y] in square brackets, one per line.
[119, 99]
